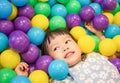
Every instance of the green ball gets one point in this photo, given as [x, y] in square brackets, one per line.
[117, 8]
[42, 8]
[73, 6]
[63, 1]
[57, 22]
[32, 2]
[6, 75]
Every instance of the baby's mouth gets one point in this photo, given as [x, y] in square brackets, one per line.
[69, 54]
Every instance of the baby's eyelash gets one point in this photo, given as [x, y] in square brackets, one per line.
[67, 41]
[55, 48]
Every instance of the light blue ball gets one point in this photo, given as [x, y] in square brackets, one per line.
[58, 69]
[5, 9]
[19, 3]
[111, 31]
[84, 2]
[36, 35]
[3, 42]
[52, 2]
[20, 79]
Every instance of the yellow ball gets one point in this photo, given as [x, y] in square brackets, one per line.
[38, 76]
[77, 32]
[9, 58]
[41, 21]
[107, 47]
[116, 19]
[109, 16]
[86, 43]
[116, 39]
[14, 12]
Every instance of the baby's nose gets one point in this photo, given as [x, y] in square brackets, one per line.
[66, 48]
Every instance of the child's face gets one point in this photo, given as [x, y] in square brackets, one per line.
[65, 48]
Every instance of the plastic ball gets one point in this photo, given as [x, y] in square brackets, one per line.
[116, 63]
[97, 1]
[58, 69]
[116, 39]
[63, 1]
[77, 32]
[59, 10]
[36, 35]
[57, 22]
[73, 6]
[5, 9]
[40, 21]
[32, 2]
[107, 47]
[38, 76]
[22, 23]
[43, 0]
[117, 9]
[27, 11]
[3, 42]
[6, 75]
[31, 68]
[19, 3]
[108, 5]
[19, 41]
[43, 62]
[31, 55]
[111, 31]
[84, 2]
[10, 58]
[100, 22]
[109, 16]
[42, 8]
[73, 20]
[116, 19]
[87, 13]
[86, 43]
[52, 2]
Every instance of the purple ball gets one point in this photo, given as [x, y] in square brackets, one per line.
[31, 68]
[6, 26]
[19, 41]
[97, 1]
[22, 23]
[100, 22]
[32, 54]
[43, 62]
[87, 13]
[116, 62]
[27, 11]
[108, 5]
[73, 20]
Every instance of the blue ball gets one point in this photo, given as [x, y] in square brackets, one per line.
[36, 35]
[52, 2]
[20, 79]
[58, 69]
[19, 3]
[3, 42]
[5, 9]
[84, 2]
[111, 31]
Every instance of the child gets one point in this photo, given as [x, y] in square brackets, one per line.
[93, 68]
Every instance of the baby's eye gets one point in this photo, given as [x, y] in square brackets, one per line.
[67, 41]
[56, 48]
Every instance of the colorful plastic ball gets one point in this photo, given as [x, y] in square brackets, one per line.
[22, 23]
[19, 3]
[107, 47]
[77, 32]
[73, 6]
[5, 9]
[58, 69]
[40, 21]
[43, 0]
[97, 1]
[109, 16]
[108, 5]
[57, 22]
[84, 2]
[111, 31]
[31, 68]
[31, 55]
[116, 39]
[3, 42]
[14, 12]
[87, 13]
[38, 76]
[52, 2]
[117, 9]
[27, 11]
[73, 20]
[97, 8]
[63, 1]
[100, 22]
[36, 35]
[116, 63]
[6, 75]
[20, 79]
[58, 10]
[116, 19]
[86, 43]
[43, 62]
[42, 8]
[19, 41]
[32, 2]
[10, 58]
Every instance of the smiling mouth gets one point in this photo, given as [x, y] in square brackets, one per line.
[69, 54]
